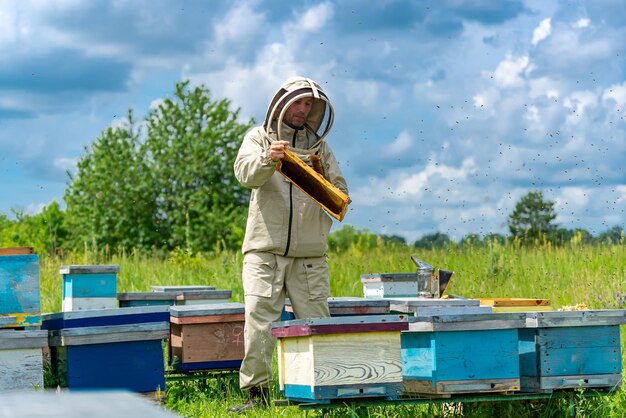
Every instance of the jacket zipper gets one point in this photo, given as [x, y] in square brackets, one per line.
[293, 144]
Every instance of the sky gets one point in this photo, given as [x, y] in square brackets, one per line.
[447, 112]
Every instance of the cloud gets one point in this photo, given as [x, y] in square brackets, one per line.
[509, 71]
[542, 31]
[581, 23]
[400, 145]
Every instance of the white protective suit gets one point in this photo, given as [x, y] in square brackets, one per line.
[285, 242]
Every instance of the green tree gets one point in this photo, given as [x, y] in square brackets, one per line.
[532, 218]
[44, 231]
[612, 236]
[111, 198]
[434, 240]
[191, 143]
[348, 236]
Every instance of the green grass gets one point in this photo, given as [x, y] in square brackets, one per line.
[594, 275]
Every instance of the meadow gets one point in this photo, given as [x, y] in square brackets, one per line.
[593, 275]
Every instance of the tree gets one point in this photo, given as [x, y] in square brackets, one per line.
[174, 188]
[434, 240]
[612, 236]
[192, 142]
[111, 199]
[44, 231]
[532, 219]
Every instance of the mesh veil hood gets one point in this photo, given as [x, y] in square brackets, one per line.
[296, 88]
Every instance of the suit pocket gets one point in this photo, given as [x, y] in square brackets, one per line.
[258, 274]
[316, 270]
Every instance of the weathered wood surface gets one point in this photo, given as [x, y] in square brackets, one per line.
[13, 339]
[208, 342]
[177, 289]
[341, 359]
[351, 306]
[388, 277]
[109, 334]
[576, 318]
[463, 361]
[16, 250]
[89, 269]
[227, 308]
[548, 384]
[7, 320]
[461, 386]
[426, 311]
[19, 284]
[80, 404]
[201, 296]
[20, 369]
[556, 357]
[70, 304]
[525, 302]
[336, 325]
[415, 304]
[207, 319]
[105, 317]
[478, 322]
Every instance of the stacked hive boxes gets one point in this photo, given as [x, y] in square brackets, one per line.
[21, 341]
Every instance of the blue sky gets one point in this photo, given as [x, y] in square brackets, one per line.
[447, 111]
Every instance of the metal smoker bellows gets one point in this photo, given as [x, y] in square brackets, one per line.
[429, 285]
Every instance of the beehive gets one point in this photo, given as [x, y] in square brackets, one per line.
[19, 288]
[89, 287]
[468, 353]
[21, 362]
[174, 297]
[343, 357]
[109, 348]
[421, 306]
[207, 337]
[347, 305]
[573, 349]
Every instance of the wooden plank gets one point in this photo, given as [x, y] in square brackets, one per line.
[178, 288]
[87, 304]
[13, 339]
[16, 250]
[6, 320]
[204, 294]
[576, 318]
[109, 334]
[551, 383]
[525, 302]
[206, 319]
[411, 304]
[347, 324]
[21, 320]
[89, 269]
[22, 369]
[227, 308]
[70, 316]
[457, 387]
[467, 322]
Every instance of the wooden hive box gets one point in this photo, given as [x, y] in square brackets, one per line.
[454, 354]
[21, 361]
[207, 337]
[343, 357]
[389, 285]
[20, 298]
[516, 304]
[571, 349]
[421, 306]
[109, 348]
[89, 287]
[174, 297]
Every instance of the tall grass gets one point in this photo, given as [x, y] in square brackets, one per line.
[594, 275]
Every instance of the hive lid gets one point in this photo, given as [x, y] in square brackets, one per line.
[226, 308]
[340, 325]
[89, 269]
[575, 318]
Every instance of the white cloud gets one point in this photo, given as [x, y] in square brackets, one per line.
[508, 73]
[63, 163]
[542, 31]
[313, 19]
[401, 144]
[581, 23]
[579, 102]
[239, 23]
[616, 92]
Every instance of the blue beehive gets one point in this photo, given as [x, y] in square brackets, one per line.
[19, 288]
[109, 348]
[465, 353]
[89, 287]
[174, 297]
[571, 349]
